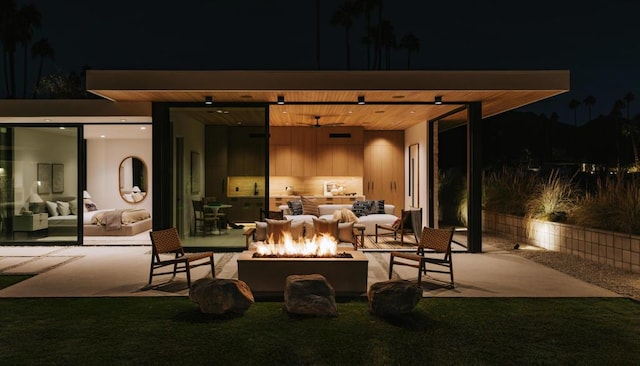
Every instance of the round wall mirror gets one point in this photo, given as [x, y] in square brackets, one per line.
[133, 179]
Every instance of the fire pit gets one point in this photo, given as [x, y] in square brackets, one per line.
[266, 271]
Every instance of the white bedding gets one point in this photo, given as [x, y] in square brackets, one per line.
[86, 219]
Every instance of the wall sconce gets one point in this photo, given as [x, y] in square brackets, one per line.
[208, 100]
[361, 99]
[438, 99]
[280, 99]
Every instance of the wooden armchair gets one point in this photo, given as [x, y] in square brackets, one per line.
[432, 242]
[402, 226]
[167, 242]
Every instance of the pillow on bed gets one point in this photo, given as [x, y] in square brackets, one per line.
[52, 207]
[90, 205]
[63, 208]
[137, 197]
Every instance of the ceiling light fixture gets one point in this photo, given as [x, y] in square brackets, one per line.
[438, 99]
[208, 100]
[280, 99]
[361, 99]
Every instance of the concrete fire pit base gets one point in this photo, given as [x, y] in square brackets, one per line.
[267, 276]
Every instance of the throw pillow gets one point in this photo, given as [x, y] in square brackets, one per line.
[362, 208]
[309, 206]
[345, 232]
[52, 207]
[297, 228]
[73, 206]
[372, 205]
[89, 205]
[326, 227]
[276, 229]
[261, 231]
[63, 208]
[295, 207]
[345, 215]
[380, 206]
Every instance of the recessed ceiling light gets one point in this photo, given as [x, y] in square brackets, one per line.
[123, 120]
[284, 112]
[62, 128]
[143, 128]
[225, 112]
[219, 111]
[350, 112]
[412, 112]
[102, 136]
[47, 120]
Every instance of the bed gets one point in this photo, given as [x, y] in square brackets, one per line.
[116, 222]
[64, 216]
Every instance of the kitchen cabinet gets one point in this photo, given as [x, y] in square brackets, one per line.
[383, 176]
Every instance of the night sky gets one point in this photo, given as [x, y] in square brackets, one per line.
[599, 45]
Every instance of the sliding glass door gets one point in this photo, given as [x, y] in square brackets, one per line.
[39, 185]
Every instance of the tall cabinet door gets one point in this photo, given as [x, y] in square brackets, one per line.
[384, 167]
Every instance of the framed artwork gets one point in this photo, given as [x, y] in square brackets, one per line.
[195, 172]
[44, 178]
[57, 176]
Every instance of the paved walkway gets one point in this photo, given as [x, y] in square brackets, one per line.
[106, 271]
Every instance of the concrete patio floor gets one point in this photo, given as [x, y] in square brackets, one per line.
[108, 271]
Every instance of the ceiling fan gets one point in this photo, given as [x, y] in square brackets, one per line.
[318, 125]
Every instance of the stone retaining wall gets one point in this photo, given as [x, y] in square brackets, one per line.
[608, 247]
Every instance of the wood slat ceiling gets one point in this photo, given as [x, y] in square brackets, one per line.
[385, 108]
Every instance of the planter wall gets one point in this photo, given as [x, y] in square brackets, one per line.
[608, 247]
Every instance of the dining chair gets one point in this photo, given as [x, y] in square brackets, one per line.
[205, 221]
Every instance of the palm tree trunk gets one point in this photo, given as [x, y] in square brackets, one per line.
[24, 73]
[35, 88]
[318, 34]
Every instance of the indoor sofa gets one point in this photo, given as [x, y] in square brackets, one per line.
[326, 211]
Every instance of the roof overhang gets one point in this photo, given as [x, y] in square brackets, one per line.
[394, 99]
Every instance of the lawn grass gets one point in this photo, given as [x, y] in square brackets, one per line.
[442, 331]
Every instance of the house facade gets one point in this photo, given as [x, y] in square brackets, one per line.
[157, 140]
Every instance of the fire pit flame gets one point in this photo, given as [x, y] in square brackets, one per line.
[318, 246]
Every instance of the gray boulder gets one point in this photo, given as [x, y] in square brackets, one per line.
[310, 295]
[393, 297]
[221, 295]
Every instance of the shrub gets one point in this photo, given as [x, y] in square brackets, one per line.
[451, 191]
[553, 199]
[614, 205]
[507, 191]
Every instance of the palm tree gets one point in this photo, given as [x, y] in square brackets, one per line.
[344, 17]
[8, 39]
[41, 49]
[573, 104]
[589, 101]
[629, 97]
[367, 6]
[28, 18]
[629, 130]
[411, 43]
[388, 41]
[616, 115]
[318, 34]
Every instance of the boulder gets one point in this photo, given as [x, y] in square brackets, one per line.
[310, 295]
[221, 295]
[393, 297]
